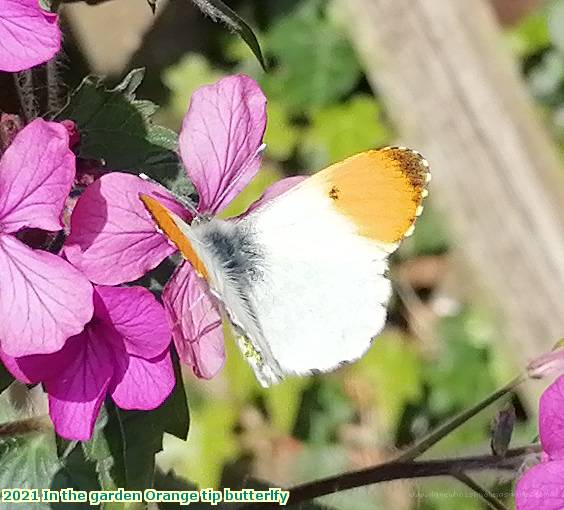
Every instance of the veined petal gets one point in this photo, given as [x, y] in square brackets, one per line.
[196, 324]
[143, 383]
[75, 396]
[551, 419]
[275, 190]
[541, 487]
[113, 238]
[221, 138]
[36, 174]
[35, 368]
[137, 317]
[43, 300]
[28, 35]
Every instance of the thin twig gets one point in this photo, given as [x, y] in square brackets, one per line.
[396, 470]
[435, 436]
[486, 495]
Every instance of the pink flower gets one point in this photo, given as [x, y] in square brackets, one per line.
[113, 237]
[542, 487]
[123, 351]
[43, 299]
[28, 35]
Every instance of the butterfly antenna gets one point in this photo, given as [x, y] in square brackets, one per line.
[183, 199]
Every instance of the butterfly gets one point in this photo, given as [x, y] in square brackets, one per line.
[303, 278]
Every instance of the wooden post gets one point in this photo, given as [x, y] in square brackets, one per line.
[454, 93]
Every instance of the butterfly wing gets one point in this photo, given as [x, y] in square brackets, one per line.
[321, 291]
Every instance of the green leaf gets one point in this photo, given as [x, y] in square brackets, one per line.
[341, 130]
[125, 443]
[78, 473]
[116, 127]
[28, 461]
[5, 378]
[218, 11]
[316, 63]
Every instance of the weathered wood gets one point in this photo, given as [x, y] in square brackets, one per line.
[453, 92]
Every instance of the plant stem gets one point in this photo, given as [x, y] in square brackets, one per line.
[435, 436]
[54, 92]
[26, 94]
[396, 470]
[487, 496]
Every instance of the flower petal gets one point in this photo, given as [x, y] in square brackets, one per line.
[275, 190]
[28, 35]
[76, 395]
[551, 419]
[36, 174]
[43, 300]
[113, 239]
[35, 368]
[143, 384]
[541, 487]
[196, 324]
[221, 138]
[137, 317]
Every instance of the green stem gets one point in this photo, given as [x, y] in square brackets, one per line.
[434, 437]
[486, 495]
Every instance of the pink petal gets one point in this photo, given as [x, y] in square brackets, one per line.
[143, 384]
[274, 190]
[137, 317]
[35, 368]
[220, 139]
[28, 35]
[76, 395]
[196, 323]
[541, 488]
[113, 238]
[36, 174]
[43, 300]
[551, 419]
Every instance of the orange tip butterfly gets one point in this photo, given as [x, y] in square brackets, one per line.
[302, 279]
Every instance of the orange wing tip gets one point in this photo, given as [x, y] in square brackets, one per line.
[380, 191]
[166, 223]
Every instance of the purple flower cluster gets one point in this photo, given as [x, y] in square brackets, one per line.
[65, 321]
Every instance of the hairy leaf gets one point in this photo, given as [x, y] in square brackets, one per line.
[220, 12]
[116, 127]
